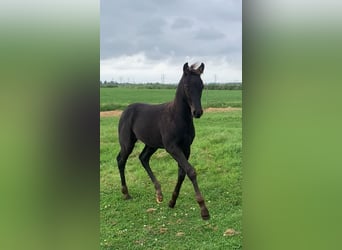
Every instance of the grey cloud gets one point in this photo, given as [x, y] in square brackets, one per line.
[182, 23]
[151, 27]
[170, 29]
[209, 34]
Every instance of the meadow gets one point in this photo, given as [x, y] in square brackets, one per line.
[141, 223]
[119, 98]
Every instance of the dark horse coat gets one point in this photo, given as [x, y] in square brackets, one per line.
[168, 125]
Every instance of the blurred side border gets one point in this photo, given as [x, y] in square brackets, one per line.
[49, 98]
[291, 124]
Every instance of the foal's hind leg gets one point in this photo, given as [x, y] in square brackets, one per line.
[122, 157]
[145, 159]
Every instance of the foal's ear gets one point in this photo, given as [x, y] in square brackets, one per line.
[201, 68]
[186, 69]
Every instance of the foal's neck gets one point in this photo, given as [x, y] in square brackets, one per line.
[180, 102]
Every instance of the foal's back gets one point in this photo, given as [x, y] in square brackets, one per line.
[144, 122]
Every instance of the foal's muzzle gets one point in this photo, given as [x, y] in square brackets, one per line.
[197, 113]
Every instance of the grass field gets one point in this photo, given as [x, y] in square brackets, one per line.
[119, 98]
[141, 223]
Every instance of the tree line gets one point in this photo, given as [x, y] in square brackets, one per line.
[217, 86]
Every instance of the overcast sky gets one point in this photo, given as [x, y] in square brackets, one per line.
[150, 40]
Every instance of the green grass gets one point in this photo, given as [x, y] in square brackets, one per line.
[216, 155]
[119, 98]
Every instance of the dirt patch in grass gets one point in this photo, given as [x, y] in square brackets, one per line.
[110, 113]
[221, 109]
[118, 112]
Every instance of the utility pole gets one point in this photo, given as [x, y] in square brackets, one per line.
[206, 92]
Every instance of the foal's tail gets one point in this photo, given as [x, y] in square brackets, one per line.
[127, 137]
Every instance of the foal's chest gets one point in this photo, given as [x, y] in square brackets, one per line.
[186, 133]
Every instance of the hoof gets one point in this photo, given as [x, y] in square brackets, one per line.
[205, 214]
[127, 197]
[206, 217]
[172, 204]
[159, 199]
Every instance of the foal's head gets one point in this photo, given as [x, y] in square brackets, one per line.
[193, 87]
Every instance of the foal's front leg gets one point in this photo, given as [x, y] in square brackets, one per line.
[181, 177]
[179, 156]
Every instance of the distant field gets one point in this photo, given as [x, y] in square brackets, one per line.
[141, 223]
[119, 98]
